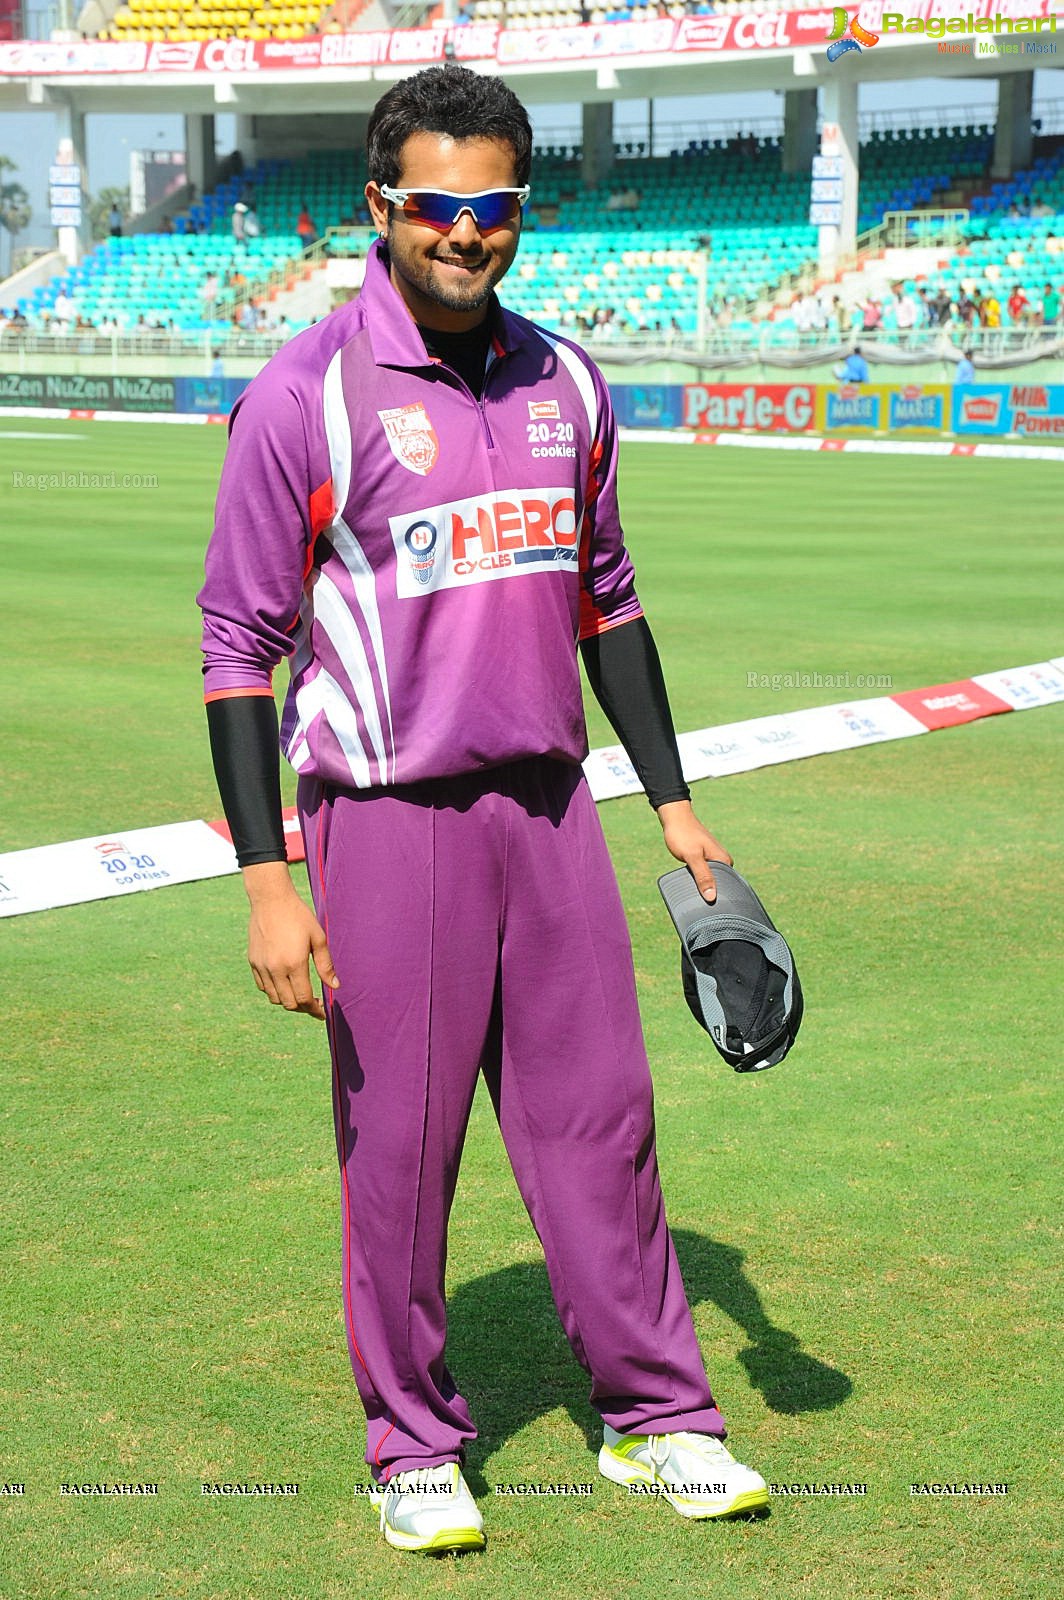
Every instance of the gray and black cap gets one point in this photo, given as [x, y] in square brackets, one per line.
[739, 977]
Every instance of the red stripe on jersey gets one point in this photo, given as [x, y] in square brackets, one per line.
[594, 482]
[322, 510]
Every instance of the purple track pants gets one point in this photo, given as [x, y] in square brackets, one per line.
[476, 921]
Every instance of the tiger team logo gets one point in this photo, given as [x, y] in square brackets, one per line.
[412, 437]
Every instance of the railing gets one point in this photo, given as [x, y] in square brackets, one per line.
[767, 342]
[333, 242]
[901, 230]
[664, 137]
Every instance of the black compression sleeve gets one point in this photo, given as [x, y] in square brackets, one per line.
[625, 673]
[247, 765]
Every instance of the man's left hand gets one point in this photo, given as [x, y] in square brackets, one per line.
[692, 844]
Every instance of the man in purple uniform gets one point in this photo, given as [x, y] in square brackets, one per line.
[418, 508]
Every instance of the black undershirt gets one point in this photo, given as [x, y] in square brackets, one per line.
[465, 353]
[622, 667]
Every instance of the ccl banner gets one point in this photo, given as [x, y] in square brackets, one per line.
[909, 408]
[1031, 410]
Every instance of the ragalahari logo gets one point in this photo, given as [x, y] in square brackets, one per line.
[847, 34]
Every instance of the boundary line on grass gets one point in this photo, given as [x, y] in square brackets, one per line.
[742, 441]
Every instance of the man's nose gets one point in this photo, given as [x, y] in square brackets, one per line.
[465, 232]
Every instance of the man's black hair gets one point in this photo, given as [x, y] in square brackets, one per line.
[451, 100]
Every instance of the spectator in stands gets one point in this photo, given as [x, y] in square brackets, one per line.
[114, 222]
[64, 309]
[1019, 306]
[167, 224]
[240, 211]
[1040, 209]
[854, 369]
[940, 306]
[463, 14]
[966, 308]
[236, 280]
[990, 311]
[247, 317]
[873, 316]
[964, 371]
[905, 313]
[306, 228]
[209, 294]
[1050, 306]
[252, 225]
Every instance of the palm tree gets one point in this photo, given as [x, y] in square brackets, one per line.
[15, 212]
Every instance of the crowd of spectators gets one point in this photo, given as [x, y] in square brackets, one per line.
[905, 312]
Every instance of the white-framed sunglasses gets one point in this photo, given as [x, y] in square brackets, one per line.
[441, 208]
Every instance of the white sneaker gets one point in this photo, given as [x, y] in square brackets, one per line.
[429, 1508]
[692, 1471]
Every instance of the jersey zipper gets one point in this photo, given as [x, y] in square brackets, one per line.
[488, 370]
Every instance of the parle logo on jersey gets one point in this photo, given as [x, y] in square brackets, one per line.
[501, 535]
[412, 437]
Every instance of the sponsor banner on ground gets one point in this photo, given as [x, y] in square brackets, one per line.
[149, 858]
[293, 834]
[1036, 410]
[764, 407]
[111, 864]
[80, 391]
[980, 408]
[883, 408]
[649, 405]
[1030, 410]
[1039, 685]
[947, 704]
[214, 396]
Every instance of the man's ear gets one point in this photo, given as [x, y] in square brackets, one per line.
[379, 208]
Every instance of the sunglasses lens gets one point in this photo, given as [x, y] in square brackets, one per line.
[491, 210]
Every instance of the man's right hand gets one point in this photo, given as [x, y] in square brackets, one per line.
[283, 936]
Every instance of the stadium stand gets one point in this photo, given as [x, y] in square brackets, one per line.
[672, 245]
[182, 20]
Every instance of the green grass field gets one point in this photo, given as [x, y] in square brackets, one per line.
[869, 1234]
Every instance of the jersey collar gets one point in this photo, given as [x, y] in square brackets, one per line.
[393, 331]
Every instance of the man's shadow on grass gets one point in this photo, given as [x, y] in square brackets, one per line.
[511, 1359]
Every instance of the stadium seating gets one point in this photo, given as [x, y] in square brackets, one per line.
[717, 222]
[903, 169]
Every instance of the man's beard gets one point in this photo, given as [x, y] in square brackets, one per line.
[461, 295]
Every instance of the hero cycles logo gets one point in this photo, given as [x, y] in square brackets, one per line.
[487, 536]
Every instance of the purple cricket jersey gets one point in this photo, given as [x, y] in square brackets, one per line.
[427, 561]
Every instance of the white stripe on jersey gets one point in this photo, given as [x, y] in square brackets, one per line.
[333, 616]
[354, 559]
[338, 432]
[356, 664]
[322, 695]
[586, 390]
[580, 376]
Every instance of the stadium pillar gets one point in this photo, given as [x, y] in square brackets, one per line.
[200, 163]
[70, 131]
[838, 137]
[799, 129]
[597, 157]
[247, 138]
[1012, 130]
